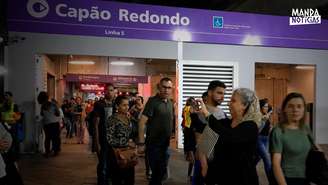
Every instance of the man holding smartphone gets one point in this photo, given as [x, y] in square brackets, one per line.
[214, 98]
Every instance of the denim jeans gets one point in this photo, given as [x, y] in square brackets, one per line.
[262, 150]
[103, 177]
[158, 157]
[68, 123]
[197, 178]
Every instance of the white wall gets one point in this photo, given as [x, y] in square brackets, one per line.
[21, 67]
[248, 55]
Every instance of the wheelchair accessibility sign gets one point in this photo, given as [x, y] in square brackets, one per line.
[217, 22]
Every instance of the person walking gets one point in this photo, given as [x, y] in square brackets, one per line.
[50, 116]
[158, 114]
[289, 142]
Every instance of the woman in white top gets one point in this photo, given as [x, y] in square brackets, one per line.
[50, 114]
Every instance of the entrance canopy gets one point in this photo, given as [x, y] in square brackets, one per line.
[123, 20]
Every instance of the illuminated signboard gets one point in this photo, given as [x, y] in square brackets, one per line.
[92, 87]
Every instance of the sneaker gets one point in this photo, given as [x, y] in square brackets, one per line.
[166, 175]
[148, 176]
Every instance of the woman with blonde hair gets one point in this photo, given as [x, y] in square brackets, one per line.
[234, 152]
[289, 142]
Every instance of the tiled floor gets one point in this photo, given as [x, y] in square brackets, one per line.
[77, 166]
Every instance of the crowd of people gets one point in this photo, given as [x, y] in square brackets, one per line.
[121, 123]
[111, 122]
[224, 150]
[221, 149]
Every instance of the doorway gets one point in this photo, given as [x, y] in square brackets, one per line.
[275, 81]
[85, 76]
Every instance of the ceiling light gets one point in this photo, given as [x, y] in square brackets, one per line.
[122, 63]
[181, 35]
[252, 40]
[305, 67]
[82, 62]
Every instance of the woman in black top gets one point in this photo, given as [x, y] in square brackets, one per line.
[118, 133]
[234, 152]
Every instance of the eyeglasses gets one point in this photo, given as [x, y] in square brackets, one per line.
[166, 87]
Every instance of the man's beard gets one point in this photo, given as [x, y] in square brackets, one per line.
[216, 102]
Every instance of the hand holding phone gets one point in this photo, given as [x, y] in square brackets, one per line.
[267, 115]
[196, 105]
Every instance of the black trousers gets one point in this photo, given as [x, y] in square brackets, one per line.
[103, 169]
[296, 181]
[148, 172]
[158, 160]
[14, 149]
[12, 177]
[120, 176]
[52, 134]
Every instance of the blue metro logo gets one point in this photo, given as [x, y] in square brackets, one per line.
[217, 22]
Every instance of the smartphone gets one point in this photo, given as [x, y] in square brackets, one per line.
[196, 105]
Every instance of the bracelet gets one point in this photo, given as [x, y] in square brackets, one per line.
[140, 144]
